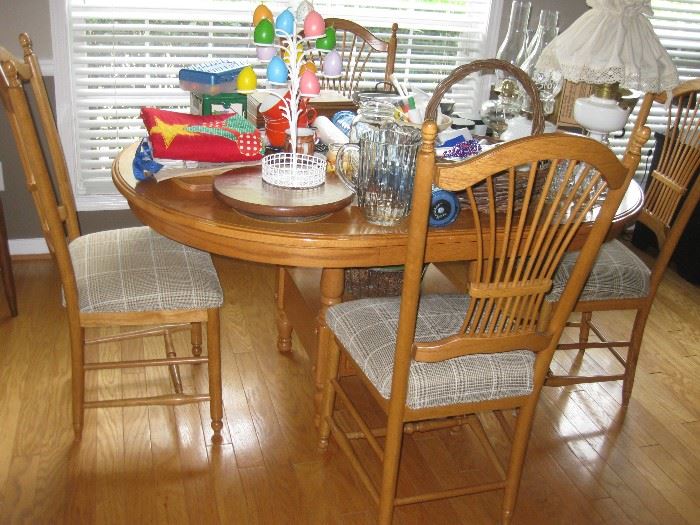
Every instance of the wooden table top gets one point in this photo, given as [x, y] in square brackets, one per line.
[341, 240]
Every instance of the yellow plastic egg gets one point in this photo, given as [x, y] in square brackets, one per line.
[262, 12]
[285, 54]
[308, 66]
[247, 80]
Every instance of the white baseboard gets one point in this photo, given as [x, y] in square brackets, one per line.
[36, 246]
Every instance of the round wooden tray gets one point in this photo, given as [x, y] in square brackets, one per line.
[245, 191]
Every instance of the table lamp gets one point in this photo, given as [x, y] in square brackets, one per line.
[611, 46]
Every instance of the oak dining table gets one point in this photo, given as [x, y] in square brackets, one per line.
[311, 254]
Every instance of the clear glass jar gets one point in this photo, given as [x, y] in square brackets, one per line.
[370, 116]
[496, 113]
[549, 85]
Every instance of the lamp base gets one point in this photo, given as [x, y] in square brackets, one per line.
[600, 116]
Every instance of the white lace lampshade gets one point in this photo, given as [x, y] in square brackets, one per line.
[611, 44]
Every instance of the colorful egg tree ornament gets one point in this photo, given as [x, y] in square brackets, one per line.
[332, 65]
[327, 42]
[265, 53]
[299, 74]
[247, 80]
[314, 25]
[300, 53]
[285, 22]
[264, 33]
[308, 65]
[303, 9]
[277, 72]
[262, 12]
[309, 85]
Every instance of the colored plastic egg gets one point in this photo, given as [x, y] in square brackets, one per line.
[264, 32]
[277, 71]
[332, 64]
[327, 42]
[300, 51]
[261, 12]
[285, 22]
[314, 25]
[265, 53]
[303, 9]
[307, 66]
[247, 80]
[309, 85]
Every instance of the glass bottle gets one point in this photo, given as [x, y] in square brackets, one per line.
[514, 47]
[549, 85]
[497, 113]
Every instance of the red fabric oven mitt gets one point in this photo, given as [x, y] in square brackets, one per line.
[209, 138]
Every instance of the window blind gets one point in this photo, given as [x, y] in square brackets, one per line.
[118, 59]
[676, 23]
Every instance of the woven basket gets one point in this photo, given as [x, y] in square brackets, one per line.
[500, 183]
[373, 282]
[294, 170]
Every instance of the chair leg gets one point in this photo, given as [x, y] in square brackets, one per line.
[584, 329]
[333, 357]
[6, 267]
[640, 322]
[77, 343]
[521, 437]
[214, 369]
[196, 338]
[390, 467]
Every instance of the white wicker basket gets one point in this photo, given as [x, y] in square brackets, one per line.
[294, 170]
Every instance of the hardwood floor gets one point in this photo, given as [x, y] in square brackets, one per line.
[588, 462]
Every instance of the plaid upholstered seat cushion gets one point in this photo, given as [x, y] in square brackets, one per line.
[617, 274]
[136, 270]
[367, 330]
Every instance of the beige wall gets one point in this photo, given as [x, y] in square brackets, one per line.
[28, 16]
[33, 17]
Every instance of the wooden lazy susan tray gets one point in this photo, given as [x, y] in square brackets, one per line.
[245, 191]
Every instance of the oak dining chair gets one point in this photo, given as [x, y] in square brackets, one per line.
[361, 52]
[132, 277]
[620, 280]
[432, 361]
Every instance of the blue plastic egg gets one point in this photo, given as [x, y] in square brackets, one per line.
[285, 22]
[277, 70]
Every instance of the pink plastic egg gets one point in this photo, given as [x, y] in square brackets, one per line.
[332, 64]
[265, 53]
[314, 25]
[309, 85]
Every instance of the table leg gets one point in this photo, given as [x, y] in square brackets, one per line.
[284, 327]
[332, 283]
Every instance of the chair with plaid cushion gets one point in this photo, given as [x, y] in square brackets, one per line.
[130, 277]
[619, 279]
[432, 361]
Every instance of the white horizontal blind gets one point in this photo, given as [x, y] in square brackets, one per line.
[123, 57]
[677, 24]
